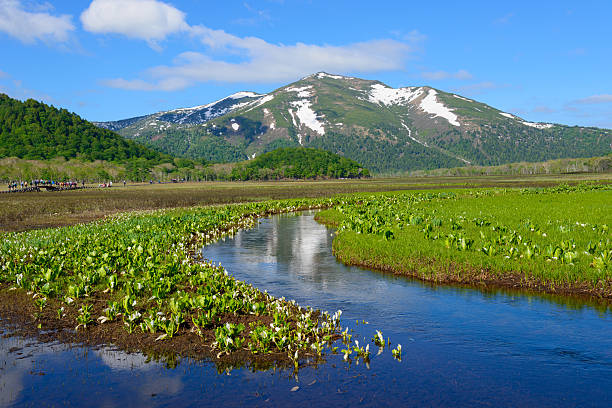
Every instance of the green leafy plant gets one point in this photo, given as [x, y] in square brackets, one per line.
[84, 318]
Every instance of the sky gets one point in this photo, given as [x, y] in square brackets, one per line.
[545, 61]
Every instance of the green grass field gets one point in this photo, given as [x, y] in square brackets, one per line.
[550, 239]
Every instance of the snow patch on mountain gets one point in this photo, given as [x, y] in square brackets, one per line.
[235, 126]
[462, 98]
[266, 98]
[307, 116]
[254, 104]
[385, 95]
[538, 125]
[270, 118]
[237, 95]
[244, 94]
[411, 137]
[302, 92]
[507, 115]
[322, 75]
[293, 117]
[431, 105]
[203, 113]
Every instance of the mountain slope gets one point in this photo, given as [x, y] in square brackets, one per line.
[383, 128]
[34, 130]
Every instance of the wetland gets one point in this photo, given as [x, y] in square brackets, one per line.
[244, 290]
[460, 345]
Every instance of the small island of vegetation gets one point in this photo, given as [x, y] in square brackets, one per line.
[298, 163]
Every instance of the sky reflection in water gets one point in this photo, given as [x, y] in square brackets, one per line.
[461, 347]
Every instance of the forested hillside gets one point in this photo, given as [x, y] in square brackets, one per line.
[298, 163]
[34, 130]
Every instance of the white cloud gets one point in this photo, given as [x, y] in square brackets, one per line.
[3, 74]
[438, 75]
[266, 62]
[595, 99]
[252, 59]
[29, 26]
[415, 36]
[149, 20]
[167, 84]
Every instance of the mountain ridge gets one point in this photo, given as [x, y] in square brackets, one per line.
[384, 128]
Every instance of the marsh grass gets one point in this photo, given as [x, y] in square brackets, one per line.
[24, 211]
[548, 240]
[135, 279]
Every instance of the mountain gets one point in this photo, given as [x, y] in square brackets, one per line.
[383, 128]
[34, 130]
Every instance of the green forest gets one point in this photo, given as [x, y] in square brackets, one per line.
[34, 130]
[37, 138]
[298, 163]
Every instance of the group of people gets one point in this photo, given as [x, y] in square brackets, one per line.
[34, 184]
[23, 185]
[68, 184]
[16, 185]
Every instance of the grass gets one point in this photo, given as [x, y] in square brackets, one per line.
[24, 211]
[552, 240]
[132, 279]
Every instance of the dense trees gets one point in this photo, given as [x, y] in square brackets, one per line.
[298, 163]
[34, 130]
[44, 136]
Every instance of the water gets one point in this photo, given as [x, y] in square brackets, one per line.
[461, 347]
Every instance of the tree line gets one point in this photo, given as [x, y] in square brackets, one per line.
[34, 131]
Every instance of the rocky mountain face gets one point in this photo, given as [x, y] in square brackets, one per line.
[384, 128]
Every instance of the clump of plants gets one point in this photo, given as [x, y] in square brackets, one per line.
[144, 268]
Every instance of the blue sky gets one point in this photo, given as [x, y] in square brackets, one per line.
[546, 61]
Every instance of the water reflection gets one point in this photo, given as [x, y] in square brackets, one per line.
[32, 373]
[458, 339]
[461, 346]
[15, 364]
[119, 360]
[298, 249]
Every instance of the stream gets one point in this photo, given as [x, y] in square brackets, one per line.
[460, 346]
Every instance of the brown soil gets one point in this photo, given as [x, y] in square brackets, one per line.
[24, 319]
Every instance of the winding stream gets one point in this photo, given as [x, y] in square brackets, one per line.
[461, 347]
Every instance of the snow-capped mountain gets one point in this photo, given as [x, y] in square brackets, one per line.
[382, 127]
[192, 116]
